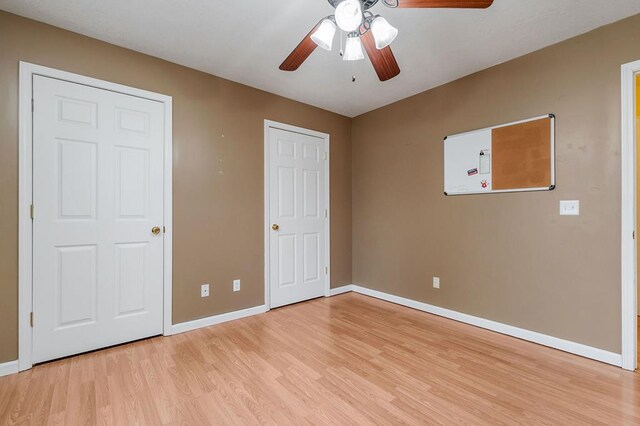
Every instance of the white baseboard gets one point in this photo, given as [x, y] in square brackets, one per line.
[217, 319]
[339, 290]
[532, 336]
[7, 368]
[601, 355]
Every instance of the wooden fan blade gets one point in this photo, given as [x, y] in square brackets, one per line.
[382, 60]
[471, 4]
[301, 52]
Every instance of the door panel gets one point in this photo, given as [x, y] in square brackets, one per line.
[297, 205]
[97, 192]
[132, 174]
[311, 256]
[76, 285]
[286, 260]
[77, 176]
[286, 192]
[311, 193]
[131, 278]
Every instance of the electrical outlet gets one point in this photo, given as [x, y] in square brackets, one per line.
[570, 208]
[204, 290]
[436, 282]
[236, 285]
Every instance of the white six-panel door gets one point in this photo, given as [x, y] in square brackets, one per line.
[297, 191]
[97, 195]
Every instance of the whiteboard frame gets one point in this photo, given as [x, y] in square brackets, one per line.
[501, 191]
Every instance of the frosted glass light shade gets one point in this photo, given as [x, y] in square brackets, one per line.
[353, 50]
[323, 36]
[349, 15]
[383, 32]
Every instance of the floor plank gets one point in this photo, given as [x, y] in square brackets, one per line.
[349, 359]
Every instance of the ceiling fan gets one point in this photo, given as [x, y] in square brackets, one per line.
[365, 28]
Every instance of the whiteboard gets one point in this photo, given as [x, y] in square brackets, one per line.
[469, 160]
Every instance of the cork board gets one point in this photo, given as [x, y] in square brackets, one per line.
[511, 157]
[522, 155]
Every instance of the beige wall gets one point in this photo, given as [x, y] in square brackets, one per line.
[218, 218]
[506, 257]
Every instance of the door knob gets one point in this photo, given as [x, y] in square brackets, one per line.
[275, 227]
[155, 230]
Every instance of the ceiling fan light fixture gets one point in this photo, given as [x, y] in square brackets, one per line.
[353, 49]
[323, 36]
[383, 32]
[349, 15]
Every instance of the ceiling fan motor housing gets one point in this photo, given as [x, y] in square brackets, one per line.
[366, 4]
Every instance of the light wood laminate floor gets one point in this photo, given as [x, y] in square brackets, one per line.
[348, 359]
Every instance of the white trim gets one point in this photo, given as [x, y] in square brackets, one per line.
[269, 124]
[168, 217]
[25, 186]
[628, 253]
[7, 368]
[25, 171]
[553, 150]
[512, 123]
[509, 330]
[327, 222]
[499, 191]
[218, 319]
[341, 290]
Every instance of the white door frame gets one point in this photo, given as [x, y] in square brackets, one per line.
[629, 246]
[268, 124]
[25, 191]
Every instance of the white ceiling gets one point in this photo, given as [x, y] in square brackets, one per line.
[246, 40]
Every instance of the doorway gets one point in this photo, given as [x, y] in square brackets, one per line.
[297, 220]
[95, 214]
[629, 208]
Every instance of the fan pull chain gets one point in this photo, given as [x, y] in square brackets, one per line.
[341, 50]
[353, 76]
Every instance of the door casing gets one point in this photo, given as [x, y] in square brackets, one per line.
[269, 124]
[25, 191]
[629, 226]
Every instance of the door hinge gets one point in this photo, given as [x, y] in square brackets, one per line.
[32, 105]
[324, 155]
[326, 213]
[32, 211]
[634, 235]
[31, 319]
[326, 270]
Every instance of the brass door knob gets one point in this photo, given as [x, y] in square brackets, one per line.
[275, 227]
[155, 230]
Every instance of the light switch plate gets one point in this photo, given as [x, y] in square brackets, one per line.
[236, 285]
[436, 282]
[570, 208]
